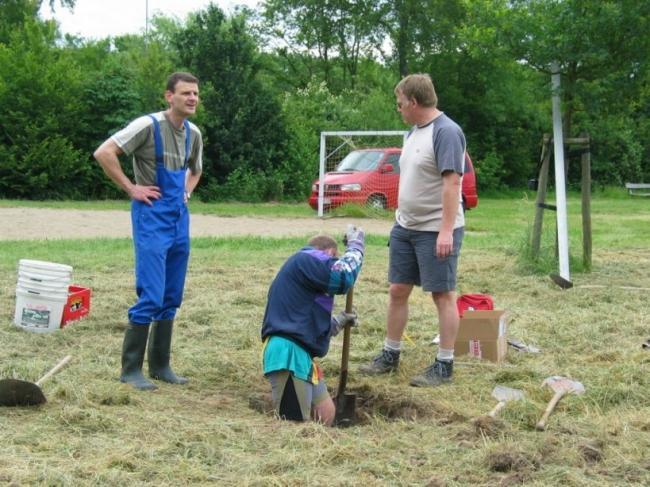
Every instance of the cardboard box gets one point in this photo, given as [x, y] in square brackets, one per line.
[493, 350]
[483, 334]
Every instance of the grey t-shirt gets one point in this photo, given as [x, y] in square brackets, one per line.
[137, 139]
[428, 152]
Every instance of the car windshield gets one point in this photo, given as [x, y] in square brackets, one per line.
[360, 161]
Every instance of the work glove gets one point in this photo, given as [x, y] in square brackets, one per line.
[342, 320]
[354, 238]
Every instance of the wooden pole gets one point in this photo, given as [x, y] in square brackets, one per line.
[542, 184]
[586, 203]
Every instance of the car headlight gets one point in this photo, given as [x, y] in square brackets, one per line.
[351, 187]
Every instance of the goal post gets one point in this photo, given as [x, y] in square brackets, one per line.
[358, 167]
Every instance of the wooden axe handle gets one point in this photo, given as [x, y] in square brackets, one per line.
[541, 424]
[55, 369]
[497, 408]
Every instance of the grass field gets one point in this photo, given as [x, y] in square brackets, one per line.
[214, 431]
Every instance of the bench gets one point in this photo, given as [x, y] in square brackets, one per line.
[638, 189]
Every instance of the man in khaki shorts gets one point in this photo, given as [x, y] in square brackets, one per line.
[427, 236]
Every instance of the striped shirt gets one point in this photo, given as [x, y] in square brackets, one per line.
[137, 139]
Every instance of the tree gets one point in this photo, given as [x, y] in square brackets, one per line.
[338, 32]
[571, 34]
[243, 128]
[38, 93]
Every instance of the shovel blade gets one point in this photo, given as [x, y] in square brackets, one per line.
[345, 410]
[505, 394]
[14, 392]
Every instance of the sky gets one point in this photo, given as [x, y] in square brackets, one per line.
[97, 19]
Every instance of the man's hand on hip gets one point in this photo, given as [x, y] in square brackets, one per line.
[145, 193]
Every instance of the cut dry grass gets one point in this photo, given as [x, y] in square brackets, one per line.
[96, 431]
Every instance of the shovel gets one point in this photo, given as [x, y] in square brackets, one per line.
[561, 386]
[561, 281]
[15, 392]
[504, 394]
[345, 403]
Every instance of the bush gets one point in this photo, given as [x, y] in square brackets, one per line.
[489, 172]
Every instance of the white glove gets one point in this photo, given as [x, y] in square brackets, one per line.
[355, 238]
[342, 320]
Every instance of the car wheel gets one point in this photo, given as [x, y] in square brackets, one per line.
[377, 202]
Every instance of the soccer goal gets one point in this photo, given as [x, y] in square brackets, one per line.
[358, 167]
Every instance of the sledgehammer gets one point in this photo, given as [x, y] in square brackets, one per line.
[561, 386]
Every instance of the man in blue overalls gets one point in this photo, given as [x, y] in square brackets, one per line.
[167, 162]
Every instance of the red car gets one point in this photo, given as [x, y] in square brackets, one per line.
[371, 177]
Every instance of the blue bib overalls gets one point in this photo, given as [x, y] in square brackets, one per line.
[162, 241]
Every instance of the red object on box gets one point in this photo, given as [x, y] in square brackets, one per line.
[474, 302]
[77, 306]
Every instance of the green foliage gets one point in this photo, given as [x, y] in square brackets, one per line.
[617, 154]
[490, 171]
[263, 109]
[38, 87]
[314, 109]
[600, 73]
[339, 33]
[252, 186]
[244, 131]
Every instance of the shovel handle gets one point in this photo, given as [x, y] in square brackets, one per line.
[348, 300]
[541, 424]
[343, 378]
[55, 369]
[500, 405]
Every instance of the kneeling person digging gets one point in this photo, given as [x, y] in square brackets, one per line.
[298, 324]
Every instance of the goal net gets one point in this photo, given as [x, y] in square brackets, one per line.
[358, 168]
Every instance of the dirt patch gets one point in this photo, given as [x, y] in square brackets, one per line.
[488, 426]
[511, 462]
[391, 408]
[50, 223]
[368, 405]
[591, 452]
[262, 403]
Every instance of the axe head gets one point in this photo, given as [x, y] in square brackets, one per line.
[564, 384]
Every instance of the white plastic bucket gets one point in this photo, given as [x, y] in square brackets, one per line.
[42, 266]
[44, 277]
[39, 313]
[48, 287]
[39, 271]
[59, 294]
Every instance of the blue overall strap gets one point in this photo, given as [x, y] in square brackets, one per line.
[157, 141]
[188, 133]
